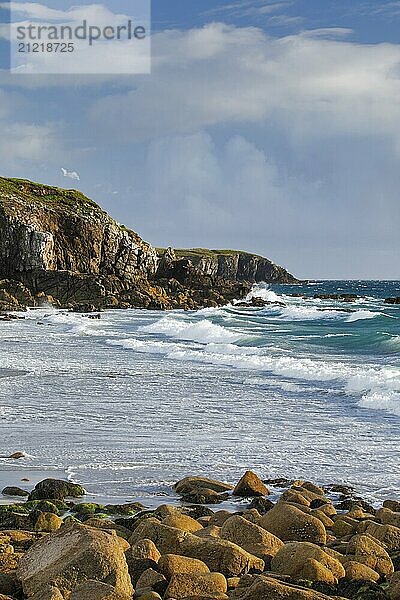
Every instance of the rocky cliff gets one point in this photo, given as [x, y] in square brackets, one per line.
[59, 246]
[236, 265]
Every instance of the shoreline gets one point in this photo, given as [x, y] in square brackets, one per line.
[305, 542]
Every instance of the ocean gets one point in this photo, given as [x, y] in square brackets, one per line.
[129, 404]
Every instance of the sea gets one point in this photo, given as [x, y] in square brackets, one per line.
[303, 388]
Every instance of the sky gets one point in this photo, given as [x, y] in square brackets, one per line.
[269, 126]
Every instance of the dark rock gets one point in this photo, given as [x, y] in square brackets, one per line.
[352, 503]
[280, 482]
[256, 302]
[204, 496]
[393, 300]
[263, 505]
[196, 512]
[342, 297]
[317, 502]
[58, 489]
[15, 520]
[14, 491]
[361, 590]
[346, 490]
[15, 456]
[130, 508]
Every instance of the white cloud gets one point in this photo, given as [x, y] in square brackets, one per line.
[218, 192]
[121, 54]
[225, 75]
[98, 14]
[70, 174]
[327, 32]
[246, 8]
[26, 143]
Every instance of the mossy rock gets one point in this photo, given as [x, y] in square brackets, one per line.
[14, 491]
[56, 489]
[44, 506]
[15, 508]
[124, 509]
[87, 508]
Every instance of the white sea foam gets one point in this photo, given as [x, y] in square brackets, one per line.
[382, 400]
[261, 290]
[147, 346]
[360, 315]
[203, 331]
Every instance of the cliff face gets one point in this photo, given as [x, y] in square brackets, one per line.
[236, 265]
[48, 229]
[62, 247]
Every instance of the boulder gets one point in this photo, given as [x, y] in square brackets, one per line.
[219, 555]
[204, 496]
[289, 523]
[48, 522]
[222, 556]
[367, 550]
[48, 592]
[167, 539]
[388, 517]
[266, 588]
[141, 556]
[151, 579]
[74, 554]
[173, 564]
[311, 487]
[251, 537]
[145, 549]
[314, 571]
[95, 590]
[386, 534]
[344, 526]
[393, 591]
[210, 531]
[14, 491]
[263, 505]
[356, 571]
[250, 485]
[9, 584]
[181, 521]
[393, 505]
[188, 484]
[56, 489]
[303, 560]
[186, 585]
[295, 497]
[219, 517]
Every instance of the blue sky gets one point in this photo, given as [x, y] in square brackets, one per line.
[268, 126]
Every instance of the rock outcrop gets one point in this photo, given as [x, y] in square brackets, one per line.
[235, 265]
[57, 246]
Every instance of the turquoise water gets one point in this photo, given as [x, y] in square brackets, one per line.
[129, 404]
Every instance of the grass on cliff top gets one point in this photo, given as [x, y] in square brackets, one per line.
[204, 253]
[14, 191]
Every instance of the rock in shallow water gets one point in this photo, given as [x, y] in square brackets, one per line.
[56, 489]
[250, 485]
[14, 491]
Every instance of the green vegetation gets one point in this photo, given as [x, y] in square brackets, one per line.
[198, 253]
[14, 192]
